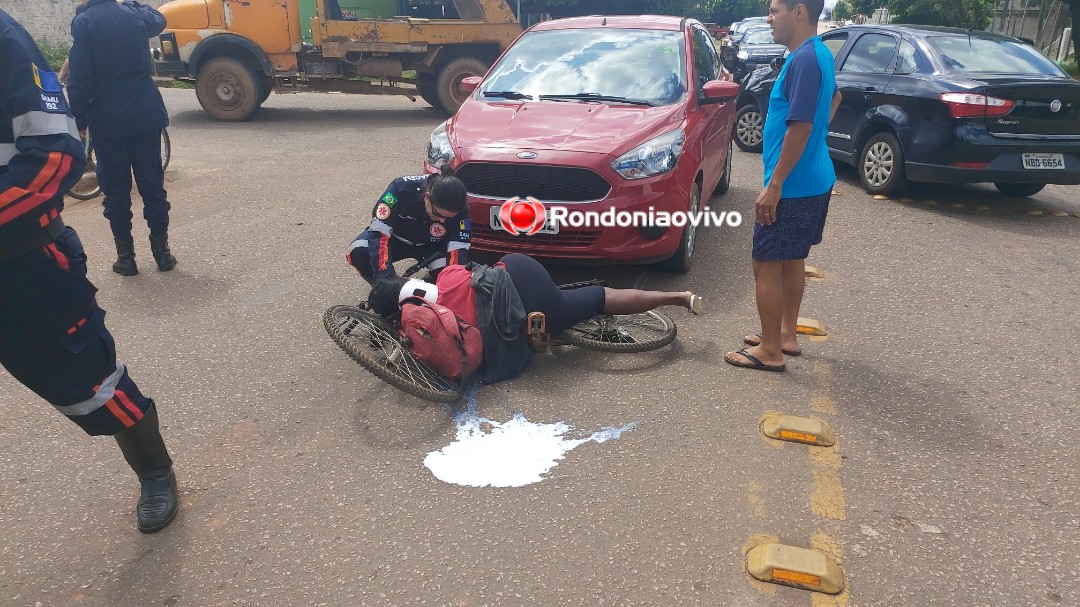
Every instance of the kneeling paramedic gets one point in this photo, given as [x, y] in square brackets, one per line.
[52, 333]
[417, 217]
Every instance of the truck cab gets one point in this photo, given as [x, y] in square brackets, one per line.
[237, 52]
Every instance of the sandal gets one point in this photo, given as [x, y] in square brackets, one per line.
[750, 342]
[755, 363]
[695, 304]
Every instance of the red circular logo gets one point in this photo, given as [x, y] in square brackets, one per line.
[382, 211]
[438, 230]
[522, 216]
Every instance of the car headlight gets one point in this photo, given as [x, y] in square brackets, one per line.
[743, 55]
[652, 158]
[439, 151]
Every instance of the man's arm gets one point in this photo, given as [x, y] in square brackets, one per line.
[46, 153]
[152, 19]
[836, 99]
[81, 74]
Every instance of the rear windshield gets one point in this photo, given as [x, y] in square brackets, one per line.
[982, 56]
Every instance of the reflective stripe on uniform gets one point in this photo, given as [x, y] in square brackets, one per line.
[37, 123]
[7, 152]
[455, 245]
[438, 263]
[358, 243]
[379, 226]
[104, 394]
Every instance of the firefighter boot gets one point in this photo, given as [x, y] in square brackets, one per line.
[145, 452]
[162, 255]
[125, 258]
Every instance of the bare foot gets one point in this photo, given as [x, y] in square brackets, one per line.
[742, 360]
[789, 344]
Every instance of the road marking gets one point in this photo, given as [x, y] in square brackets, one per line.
[1034, 212]
[760, 539]
[931, 203]
[794, 429]
[814, 272]
[795, 566]
[959, 205]
[754, 500]
[982, 208]
[809, 326]
[827, 500]
[832, 548]
[1059, 214]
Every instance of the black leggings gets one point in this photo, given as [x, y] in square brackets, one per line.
[539, 293]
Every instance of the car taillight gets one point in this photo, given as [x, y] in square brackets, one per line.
[968, 105]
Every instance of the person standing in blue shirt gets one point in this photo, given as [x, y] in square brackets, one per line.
[113, 92]
[799, 178]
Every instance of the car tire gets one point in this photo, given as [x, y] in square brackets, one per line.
[725, 179]
[448, 81]
[881, 165]
[683, 257]
[1020, 190]
[749, 128]
[227, 90]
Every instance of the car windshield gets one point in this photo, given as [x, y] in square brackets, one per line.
[640, 66]
[759, 37]
[986, 56]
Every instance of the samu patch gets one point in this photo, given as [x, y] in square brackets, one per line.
[52, 94]
[389, 199]
[438, 230]
[382, 211]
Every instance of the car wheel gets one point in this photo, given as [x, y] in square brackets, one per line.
[683, 257]
[881, 165]
[227, 89]
[749, 127]
[448, 82]
[725, 179]
[1020, 190]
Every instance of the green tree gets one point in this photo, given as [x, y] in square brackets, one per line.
[842, 11]
[973, 14]
[726, 12]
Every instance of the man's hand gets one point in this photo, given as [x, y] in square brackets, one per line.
[766, 204]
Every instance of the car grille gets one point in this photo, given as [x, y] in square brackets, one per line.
[484, 235]
[545, 183]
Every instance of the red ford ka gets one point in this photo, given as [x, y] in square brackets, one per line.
[630, 113]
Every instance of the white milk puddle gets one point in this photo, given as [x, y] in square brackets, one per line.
[517, 452]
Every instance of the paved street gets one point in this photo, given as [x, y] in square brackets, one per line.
[949, 376]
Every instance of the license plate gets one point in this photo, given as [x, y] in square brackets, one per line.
[1044, 161]
[549, 226]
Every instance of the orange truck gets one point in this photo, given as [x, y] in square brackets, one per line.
[237, 52]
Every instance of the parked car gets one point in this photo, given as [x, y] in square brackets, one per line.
[753, 103]
[730, 49]
[592, 113]
[755, 49]
[945, 105]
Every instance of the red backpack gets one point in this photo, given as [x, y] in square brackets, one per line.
[435, 335]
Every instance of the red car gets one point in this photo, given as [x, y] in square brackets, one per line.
[593, 113]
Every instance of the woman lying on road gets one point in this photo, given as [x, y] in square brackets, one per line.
[498, 300]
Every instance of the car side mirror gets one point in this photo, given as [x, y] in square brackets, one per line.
[720, 91]
[777, 63]
[469, 84]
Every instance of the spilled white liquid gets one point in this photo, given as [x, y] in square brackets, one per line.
[517, 452]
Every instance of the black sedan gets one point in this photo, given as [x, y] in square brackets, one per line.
[946, 105]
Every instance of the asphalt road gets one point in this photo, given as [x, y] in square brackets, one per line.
[949, 376]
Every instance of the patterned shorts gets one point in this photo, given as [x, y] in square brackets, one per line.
[799, 225]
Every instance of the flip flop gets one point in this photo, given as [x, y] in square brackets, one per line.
[695, 304]
[756, 363]
[787, 352]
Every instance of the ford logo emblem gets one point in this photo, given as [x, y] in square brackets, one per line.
[531, 155]
[1055, 105]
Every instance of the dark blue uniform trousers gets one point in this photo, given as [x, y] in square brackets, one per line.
[117, 159]
[53, 339]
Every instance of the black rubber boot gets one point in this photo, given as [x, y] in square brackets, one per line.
[145, 452]
[162, 255]
[125, 258]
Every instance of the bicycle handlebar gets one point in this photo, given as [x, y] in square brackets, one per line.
[423, 264]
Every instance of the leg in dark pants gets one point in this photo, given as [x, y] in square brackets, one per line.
[114, 176]
[150, 178]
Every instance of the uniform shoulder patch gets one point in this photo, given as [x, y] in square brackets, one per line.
[382, 211]
[389, 199]
[49, 89]
[438, 230]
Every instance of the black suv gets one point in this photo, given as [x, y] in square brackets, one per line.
[942, 105]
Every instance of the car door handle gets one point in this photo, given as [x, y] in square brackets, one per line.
[870, 90]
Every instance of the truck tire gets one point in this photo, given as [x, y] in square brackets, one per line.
[227, 89]
[266, 86]
[426, 90]
[449, 78]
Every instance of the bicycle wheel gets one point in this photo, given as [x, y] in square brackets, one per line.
[87, 186]
[166, 149]
[373, 342]
[629, 333]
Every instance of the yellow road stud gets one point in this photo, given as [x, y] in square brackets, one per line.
[1059, 214]
[881, 197]
[798, 430]
[793, 566]
[809, 326]
[1034, 212]
[814, 272]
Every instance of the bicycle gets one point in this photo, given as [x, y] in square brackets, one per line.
[88, 186]
[374, 342]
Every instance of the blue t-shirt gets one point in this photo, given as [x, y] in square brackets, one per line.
[803, 93]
